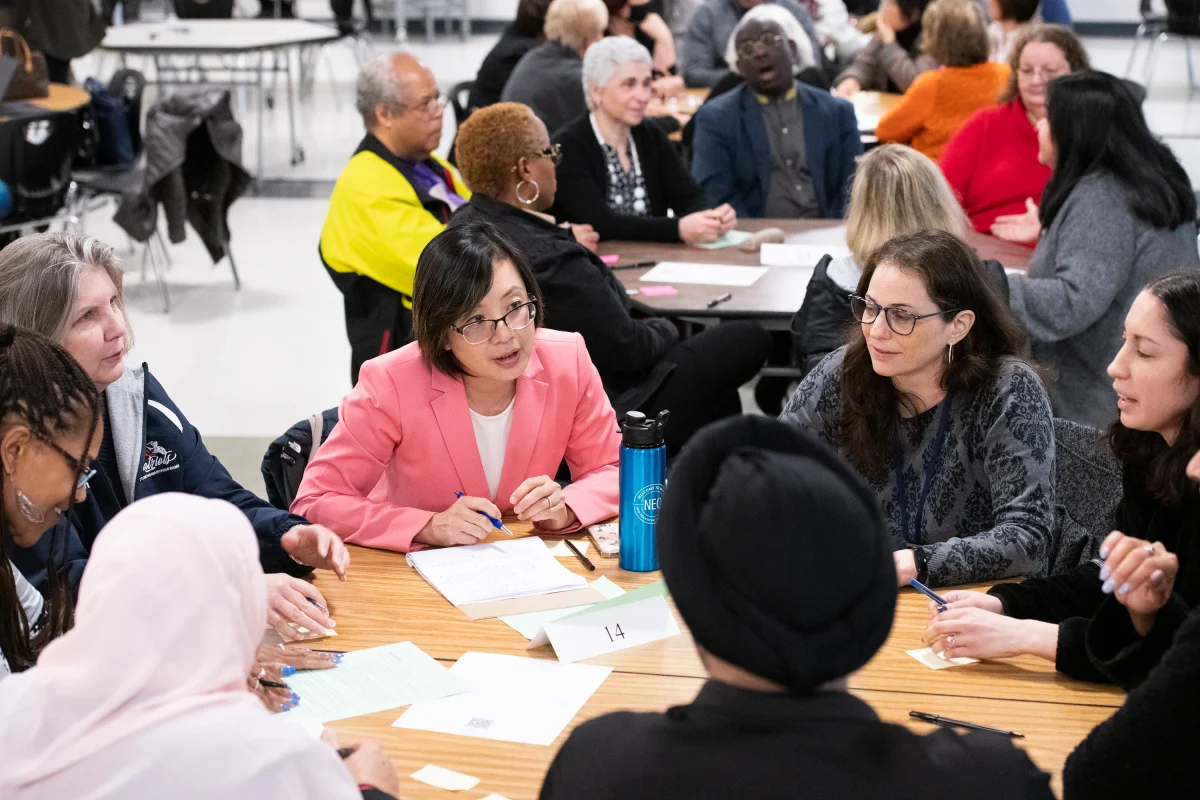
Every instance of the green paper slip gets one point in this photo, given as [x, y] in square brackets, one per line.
[656, 589]
[730, 239]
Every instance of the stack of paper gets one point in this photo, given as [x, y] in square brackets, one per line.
[483, 573]
[709, 274]
[368, 681]
[513, 699]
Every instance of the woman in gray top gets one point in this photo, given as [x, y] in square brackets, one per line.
[930, 402]
[1117, 213]
[49, 436]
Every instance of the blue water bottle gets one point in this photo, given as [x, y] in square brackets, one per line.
[643, 473]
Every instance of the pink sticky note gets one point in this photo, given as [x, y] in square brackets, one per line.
[610, 259]
[659, 291]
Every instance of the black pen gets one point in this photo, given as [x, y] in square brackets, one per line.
[716, 301]
[638, 265]
[582, 558]
[935, 719]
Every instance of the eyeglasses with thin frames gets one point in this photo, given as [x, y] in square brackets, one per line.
[481, 330]
[1047, 75]
[553, 152]
[764, 44]
[431, 106]
[902, 322]
[78, 466]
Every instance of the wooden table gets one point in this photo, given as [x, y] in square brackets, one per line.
[869, 107]
[386, 601]
[774, 297]
[61, 98]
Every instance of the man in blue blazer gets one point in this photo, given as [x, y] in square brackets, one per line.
[775, 147]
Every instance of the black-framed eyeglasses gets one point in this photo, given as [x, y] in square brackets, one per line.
[764, 44]
[481, 330]
[900, 321]
[81, 468]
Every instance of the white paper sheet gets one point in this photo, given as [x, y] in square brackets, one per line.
[368, 681]
[932, 660]
[529, 624]
[607, 630]
[513, 699]
[444, 778]
[798, 255]
[707, 274]
[824, 235]
[495, 571]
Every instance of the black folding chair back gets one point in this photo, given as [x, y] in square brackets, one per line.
[35, 161]
[204, 9]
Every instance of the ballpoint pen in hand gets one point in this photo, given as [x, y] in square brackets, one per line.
[497, 524]
[930, 593]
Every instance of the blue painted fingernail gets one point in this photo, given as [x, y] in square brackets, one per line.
[336, 659]
[287, 670]
[1104, 573]
[295, 699]
[1107, 587]
[1124, 589]
[1104, 552]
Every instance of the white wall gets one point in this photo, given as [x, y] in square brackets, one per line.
[492, 9]
[1105, 10]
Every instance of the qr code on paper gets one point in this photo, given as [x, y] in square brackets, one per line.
[480, 724]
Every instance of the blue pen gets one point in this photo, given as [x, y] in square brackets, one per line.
[497, 524]
[930, 593]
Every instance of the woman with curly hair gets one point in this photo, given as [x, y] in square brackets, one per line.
[506, 157]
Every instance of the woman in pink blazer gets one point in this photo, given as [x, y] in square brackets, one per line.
[483, 402]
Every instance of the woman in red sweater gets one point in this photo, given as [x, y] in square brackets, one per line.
[991, 162]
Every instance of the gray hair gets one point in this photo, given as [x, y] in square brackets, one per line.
[378, 86]
[603, 58]
[792, 29]
[39, 280]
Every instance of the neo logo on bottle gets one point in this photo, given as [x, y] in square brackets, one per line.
[647, 502]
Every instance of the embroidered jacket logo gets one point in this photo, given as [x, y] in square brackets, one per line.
[157, 457]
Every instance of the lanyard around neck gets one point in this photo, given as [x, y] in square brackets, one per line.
[916, 534]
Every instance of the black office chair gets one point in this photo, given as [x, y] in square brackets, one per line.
[460, 94]
[36, 153]
[204, 9]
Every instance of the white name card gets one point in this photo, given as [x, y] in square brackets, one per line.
[798, 255]
[608, 629]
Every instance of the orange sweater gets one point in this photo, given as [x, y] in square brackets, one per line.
[939, 102]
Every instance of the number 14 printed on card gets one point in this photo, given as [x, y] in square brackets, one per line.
[634, 618]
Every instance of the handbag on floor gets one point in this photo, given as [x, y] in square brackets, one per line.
[32, 78]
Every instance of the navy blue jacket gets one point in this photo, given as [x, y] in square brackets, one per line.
[158, 451]
[731, 155]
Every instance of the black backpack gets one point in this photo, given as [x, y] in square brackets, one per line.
[287, 457]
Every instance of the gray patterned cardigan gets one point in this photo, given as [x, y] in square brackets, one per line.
[990, 512]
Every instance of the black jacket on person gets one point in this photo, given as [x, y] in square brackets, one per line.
[1148, 748]
[497, 66]
[1070, 599]
[732, 743]
[583, 296]
[583, 176]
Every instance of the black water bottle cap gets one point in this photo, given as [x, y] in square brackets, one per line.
[638, 431]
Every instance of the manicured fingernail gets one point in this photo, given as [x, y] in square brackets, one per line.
[1124, 589]
[1104, 552]
[1107, 587]
[332, 622]
[1104, 573]
[295, 699]
[336, 659]
[287, 670]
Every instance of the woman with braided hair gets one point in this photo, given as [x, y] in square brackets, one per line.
[68, 287]
[49, 435]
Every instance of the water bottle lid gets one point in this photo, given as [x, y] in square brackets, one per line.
[638, 431]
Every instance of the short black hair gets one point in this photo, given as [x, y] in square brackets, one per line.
[454, 274]
[1097, 124]
[1018, 10]
[912, 9]
[531, 18]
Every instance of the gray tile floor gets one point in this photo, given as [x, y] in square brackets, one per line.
[249, 364]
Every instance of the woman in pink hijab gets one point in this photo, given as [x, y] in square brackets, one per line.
[146, 697]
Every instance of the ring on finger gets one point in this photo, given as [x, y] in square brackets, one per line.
[950, 640]
[1149, 548]
[262, 672]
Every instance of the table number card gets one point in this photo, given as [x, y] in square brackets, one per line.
[635, 618]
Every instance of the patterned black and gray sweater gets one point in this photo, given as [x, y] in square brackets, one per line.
[990, 509]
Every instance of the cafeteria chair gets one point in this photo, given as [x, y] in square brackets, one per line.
[36, 153]
[1181, 21]
[447, 9]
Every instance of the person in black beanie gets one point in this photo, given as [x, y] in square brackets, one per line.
[778, 640]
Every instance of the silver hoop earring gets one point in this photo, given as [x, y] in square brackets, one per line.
[29, 509]
[537, 192]
[950, 353]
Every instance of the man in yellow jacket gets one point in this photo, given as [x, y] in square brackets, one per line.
[393, 197]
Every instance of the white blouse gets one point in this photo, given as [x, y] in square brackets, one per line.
[491, 436]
